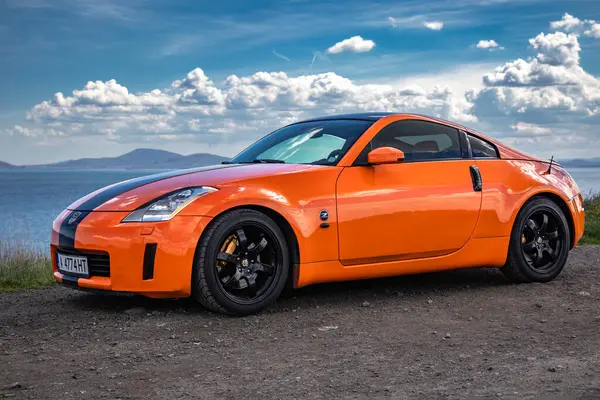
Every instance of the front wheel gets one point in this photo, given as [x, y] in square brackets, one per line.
[241, 264]
[539, 243]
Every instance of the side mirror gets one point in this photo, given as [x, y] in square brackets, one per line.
[385, 155]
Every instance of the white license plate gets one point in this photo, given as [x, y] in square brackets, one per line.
[72, 265]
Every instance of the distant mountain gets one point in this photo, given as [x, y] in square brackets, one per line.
[581, 163]
[138, 159]
[4, 165]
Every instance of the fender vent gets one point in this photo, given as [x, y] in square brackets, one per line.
[149, 256]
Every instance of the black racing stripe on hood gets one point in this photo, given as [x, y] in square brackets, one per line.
[66, 234]
[122, 187]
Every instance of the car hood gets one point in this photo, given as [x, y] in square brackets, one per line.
[134, 193]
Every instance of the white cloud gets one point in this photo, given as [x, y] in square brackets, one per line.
[488, 45]
[568, 23]
[195, 106]
[434, 25]
[50, 130]
[167, 137]
[556, 63]
[593, 31]
[197, 89]
[556, 48]
[355, 44]
[508, 101]
[393, 22]
[524, 127]
[548, 94]
[21, 130]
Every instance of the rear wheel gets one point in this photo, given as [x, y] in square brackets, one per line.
[539, 243]
[241, 264]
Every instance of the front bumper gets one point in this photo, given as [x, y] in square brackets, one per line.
[126, 244]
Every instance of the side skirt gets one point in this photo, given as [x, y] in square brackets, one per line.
[481, 252]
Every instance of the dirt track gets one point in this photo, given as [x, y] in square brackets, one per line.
[463, 334]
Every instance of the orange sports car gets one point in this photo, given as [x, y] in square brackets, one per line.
[329, 199]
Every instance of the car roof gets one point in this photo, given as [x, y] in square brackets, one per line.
[377, 115]
[366, 116]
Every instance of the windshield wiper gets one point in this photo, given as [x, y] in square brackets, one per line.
[267, 161]
[260, 161]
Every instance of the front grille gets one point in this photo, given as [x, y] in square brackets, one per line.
[98, 261]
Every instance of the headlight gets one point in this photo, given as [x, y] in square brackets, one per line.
[166, 207]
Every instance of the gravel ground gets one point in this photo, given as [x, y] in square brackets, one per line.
[460, 334]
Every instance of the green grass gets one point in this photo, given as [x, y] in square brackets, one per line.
[591, 234]
[23, 267]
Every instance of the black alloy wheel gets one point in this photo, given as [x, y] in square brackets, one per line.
[541, 240]
[246, 273]
[539, 244]
[241, 264]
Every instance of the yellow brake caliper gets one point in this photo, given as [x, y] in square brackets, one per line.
[229, 246]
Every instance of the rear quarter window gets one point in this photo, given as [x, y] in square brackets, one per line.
[482, 149]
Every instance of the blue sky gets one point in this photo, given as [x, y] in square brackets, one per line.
[548, 104]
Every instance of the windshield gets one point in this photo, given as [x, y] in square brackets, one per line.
[316, 142]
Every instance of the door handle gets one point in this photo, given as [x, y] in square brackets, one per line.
[476, 178]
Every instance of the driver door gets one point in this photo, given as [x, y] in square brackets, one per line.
[426, 206]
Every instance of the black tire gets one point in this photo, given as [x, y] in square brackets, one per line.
[207, 287]
[526, 244]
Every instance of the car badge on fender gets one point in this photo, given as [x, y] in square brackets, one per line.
[324, 215]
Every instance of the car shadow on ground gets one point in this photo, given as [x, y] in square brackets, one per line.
[326, 294]
[418, 286]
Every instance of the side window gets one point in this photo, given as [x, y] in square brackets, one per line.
[419, 140]
[482, 149]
